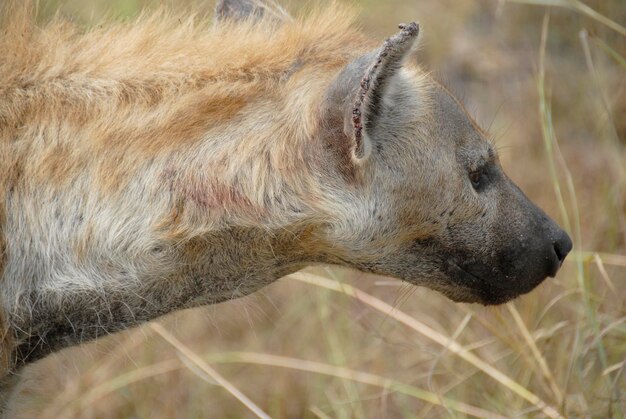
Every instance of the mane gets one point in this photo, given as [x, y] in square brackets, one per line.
[159, 52]
[163, 42]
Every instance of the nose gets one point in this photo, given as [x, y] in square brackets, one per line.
[562, 245]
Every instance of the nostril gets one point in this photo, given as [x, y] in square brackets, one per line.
[562, 246]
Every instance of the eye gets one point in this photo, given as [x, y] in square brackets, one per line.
[477, 178]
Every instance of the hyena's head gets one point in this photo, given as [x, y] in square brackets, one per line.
[426, 199]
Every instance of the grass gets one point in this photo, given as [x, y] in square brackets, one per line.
[334, 343]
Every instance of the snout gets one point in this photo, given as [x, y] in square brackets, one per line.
[533, 251]
[523, 266]
[536, 247]
[523, 246]
[536, 257]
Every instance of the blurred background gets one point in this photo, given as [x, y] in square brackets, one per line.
[550, 84]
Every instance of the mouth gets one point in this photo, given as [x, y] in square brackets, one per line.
[481, 291]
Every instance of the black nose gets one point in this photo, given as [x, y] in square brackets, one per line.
[562, 246]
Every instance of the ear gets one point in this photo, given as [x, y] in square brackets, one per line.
[359, 89]
[249, 9]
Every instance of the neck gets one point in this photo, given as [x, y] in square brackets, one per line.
[178, 200]
[212, 268]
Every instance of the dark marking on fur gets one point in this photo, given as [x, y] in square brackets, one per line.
[373, 84]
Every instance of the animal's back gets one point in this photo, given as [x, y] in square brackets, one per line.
[97, 106]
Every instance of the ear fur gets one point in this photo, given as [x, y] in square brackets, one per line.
[255, 10]
[358, 90]
[372, 87]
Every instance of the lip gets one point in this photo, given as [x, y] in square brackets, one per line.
[480, 287]
[471, 282]
[475, 280]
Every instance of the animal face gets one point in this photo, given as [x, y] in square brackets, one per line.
[432, 204]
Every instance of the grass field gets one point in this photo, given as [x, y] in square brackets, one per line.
[550, 82]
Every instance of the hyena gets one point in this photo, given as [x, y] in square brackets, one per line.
[166, 163]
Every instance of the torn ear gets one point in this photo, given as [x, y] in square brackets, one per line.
[359, 89]
[249, 10]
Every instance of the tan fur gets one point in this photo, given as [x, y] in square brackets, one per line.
[6, 343]
[135, 97]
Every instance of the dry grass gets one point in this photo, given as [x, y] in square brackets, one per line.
[331, 343]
